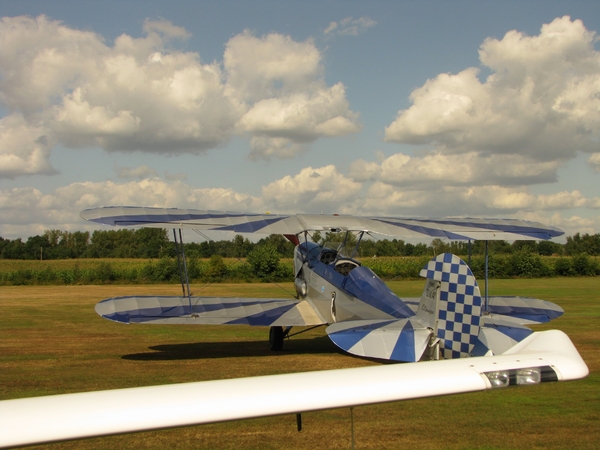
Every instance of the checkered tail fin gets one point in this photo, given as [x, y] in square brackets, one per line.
[451, 305]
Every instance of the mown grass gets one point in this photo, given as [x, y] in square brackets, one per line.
[51, 341]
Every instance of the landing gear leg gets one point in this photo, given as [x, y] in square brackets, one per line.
[276, 336]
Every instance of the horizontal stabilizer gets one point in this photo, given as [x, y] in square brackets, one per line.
[209, 310]
[526, 310]
[396, 340]
[522, 310]
[496, 338]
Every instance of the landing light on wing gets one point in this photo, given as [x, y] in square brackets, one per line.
[524, 376]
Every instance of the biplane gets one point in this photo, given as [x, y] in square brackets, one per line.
[363, 316]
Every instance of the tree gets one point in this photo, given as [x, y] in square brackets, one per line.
[316, 237]
[14, 249]
[549, 248]
[151, 243]
[241, 246]
[37, 247]
[367, 248]
[264, 261]
[386, 247]
[525, 246]
[419, 250]
[284, 247]
[439, 246]
[577, 244]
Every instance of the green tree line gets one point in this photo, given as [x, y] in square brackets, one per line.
[128, 243]
[264, 264]
[155, 243]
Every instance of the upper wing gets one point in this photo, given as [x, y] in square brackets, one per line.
[453, 228]
[544, 356]
[209, 310]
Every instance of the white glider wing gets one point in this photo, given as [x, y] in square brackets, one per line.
[543, 356]
[451, 228]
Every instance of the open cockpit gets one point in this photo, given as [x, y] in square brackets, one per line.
[339, 255]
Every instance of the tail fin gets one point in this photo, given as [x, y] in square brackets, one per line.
[451, 304]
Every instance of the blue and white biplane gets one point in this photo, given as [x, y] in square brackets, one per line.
[447, 323]
[363, 316]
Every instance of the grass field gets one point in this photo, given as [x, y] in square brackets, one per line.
[51, 341]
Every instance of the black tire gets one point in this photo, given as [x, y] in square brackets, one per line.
[276, 338]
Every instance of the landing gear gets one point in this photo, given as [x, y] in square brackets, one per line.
[276, 336]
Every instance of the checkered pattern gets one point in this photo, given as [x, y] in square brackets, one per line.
[459, 312]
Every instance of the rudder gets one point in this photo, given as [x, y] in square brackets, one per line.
[458, 306]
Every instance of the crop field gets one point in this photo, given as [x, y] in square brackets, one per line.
[52, 341]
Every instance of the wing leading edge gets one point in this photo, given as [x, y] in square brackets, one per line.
[450, 228]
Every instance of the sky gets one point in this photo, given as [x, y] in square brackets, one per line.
[395, 108]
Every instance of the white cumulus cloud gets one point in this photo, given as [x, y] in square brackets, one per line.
[540, 101]
[280, 85]
[30, 211]
[469, 169]
[24, 148]
[311, 190]
[350, 26]
[72, 88]
[594, 161]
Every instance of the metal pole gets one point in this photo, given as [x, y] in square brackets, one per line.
[178, 262]
[486, 309]
[187, 281]
[469, 247]
[352, 425]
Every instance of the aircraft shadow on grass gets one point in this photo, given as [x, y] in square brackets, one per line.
[208, 350]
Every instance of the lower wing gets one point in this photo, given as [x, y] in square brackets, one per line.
[209, 310]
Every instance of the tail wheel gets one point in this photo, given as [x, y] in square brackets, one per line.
[276, 336]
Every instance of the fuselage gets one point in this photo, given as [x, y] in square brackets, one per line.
[341, 289]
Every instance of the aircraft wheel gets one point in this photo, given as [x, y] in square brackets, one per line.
[276, 338]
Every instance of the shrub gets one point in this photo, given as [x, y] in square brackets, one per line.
[564, 267]
[146, 273]
[105, 272]
[264, 261]
[166, 269]
[193, 268]
[583, 265]
[216, 268]
[66, 276]
[498, 266]
[528, 265]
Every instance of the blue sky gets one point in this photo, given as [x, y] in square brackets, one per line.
[435, 108]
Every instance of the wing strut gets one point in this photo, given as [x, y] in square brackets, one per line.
[183, 273]
[486, 307]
